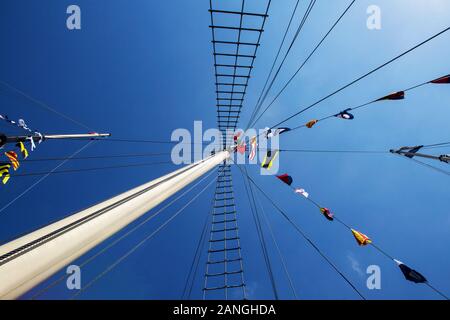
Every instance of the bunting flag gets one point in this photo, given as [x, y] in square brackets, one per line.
[311, 123]
[408, 151]
[21, 124]
[441, 80]
[302, 192]
[413, 150]
[410, 274]
[23, 150]
[4, 172]
[253, 146]
[400, 95]
[327, 214]
[272, 133]
[241, 148]
[33, 145]
[361, 238]
[271, 155]
[236, 137]
[345, 114]
[41, 137]
[12, 156]
[286, 179]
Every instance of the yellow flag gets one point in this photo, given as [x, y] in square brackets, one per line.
[361, 238]
[23, 150]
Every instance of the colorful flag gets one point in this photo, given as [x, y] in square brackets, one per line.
[311, 123]
[12, 156]
[345, 114]
[441, 80]
[272, 133]
[410, 274]
[302, 192]
[400, 95]
[271, 155]
[33, 145]
[253, 145]
[23, 150]
[285, 178]
[361, 238]
[327, 214]
[236, 137]
[4, 172]
[241, 148]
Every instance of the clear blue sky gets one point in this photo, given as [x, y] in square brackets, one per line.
[140, 69]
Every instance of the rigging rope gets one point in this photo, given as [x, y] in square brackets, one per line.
[195, 261]
[299, 29]
[129, 232]
[91, 169]
[305, 61]
[283, 262]
[362, 77]
[44, 105]
[300, 231]
[137, 246]
[383, 252]
[274, 63]
[261, 239]
[43, 178]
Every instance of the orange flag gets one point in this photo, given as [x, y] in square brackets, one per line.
[311, 123]
[12, 156]
[361, 238]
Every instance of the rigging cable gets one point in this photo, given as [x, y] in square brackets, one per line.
[44, 105]
[363, 76]
[91, 169]
[129, 232]
[274, 61]
[43, 178]
[300, 231]
[137, 246]
[372, 244]
[283, 262]
[261, 239]
[299, 29]
[195, 261]
[305, 61]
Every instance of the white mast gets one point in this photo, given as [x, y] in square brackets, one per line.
[28, 260]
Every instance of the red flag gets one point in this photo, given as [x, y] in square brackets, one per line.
[441, 80]
[400, 95]
[327, 213]
[285, 178]
[241, 148]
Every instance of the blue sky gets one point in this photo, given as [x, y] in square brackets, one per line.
[140, 69]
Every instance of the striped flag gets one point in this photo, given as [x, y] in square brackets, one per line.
[4, 172]
[253, 146]
[12, 156]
